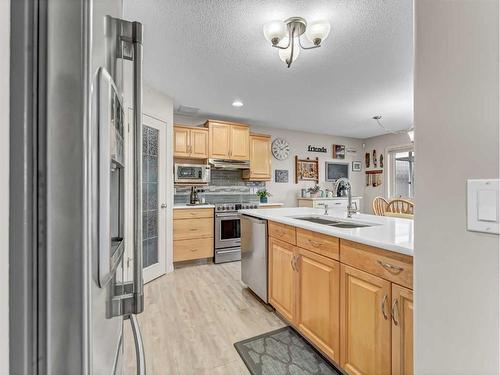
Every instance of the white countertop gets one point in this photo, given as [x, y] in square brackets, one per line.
[185, 205]
[270, 204]
[331, 198]
[393, 234]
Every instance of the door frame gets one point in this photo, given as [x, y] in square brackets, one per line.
[160, 268]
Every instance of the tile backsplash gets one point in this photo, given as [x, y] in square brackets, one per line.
[224, 186]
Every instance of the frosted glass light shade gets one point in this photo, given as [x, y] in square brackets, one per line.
[317, 31]
[274, 31]
[411, 134]
[285, 53]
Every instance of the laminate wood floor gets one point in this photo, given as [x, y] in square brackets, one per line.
[192, 318]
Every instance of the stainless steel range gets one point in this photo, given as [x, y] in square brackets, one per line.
[227, 231]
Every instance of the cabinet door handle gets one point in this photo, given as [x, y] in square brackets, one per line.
[382, 306]
[292, 262]
[390, 267]
[395, 310]
[297, 263]
[314, 243]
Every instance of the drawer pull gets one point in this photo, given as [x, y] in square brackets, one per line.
[382, 306]
[394, 310]
[389, 267]
[314, 243]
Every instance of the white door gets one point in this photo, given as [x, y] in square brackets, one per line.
[154, 192]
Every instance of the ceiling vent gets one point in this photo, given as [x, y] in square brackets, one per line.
[186, 110]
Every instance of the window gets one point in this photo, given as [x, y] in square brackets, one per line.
[401, 176]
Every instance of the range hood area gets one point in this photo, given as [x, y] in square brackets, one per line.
[229, 164]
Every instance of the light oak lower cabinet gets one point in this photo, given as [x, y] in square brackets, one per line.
[355, 311]
[193, 234]
[282, 278]
[365, 323]
[402, 330]
[317, 315]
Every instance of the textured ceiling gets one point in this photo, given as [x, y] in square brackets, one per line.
[206, 53]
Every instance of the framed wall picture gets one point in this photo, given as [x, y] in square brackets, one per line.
[306, 170]
[338, 151]
[281, 176]
[356, 166]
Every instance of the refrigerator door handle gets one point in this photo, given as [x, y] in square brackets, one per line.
[139, 346]
[131, 300]
[138, 271]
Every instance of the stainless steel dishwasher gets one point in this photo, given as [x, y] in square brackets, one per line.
[254, 254]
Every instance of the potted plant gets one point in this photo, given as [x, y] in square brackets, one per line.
[314, 191]
[263, 194]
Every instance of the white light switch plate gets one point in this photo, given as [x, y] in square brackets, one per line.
[483, 206]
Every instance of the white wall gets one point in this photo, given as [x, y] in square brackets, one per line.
[457, 121]
[299, 141]
[381, 144]
[4, 183]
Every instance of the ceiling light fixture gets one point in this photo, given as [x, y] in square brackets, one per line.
[410, 131]
[290, 32]
[237, 103]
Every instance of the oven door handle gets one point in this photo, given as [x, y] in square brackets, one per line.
[228, 214]
[227, 251]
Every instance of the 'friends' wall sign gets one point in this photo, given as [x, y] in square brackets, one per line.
[316, 149]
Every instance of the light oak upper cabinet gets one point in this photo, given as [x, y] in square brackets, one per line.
[228, 141]
[219, 139]
[181, 141]
[402, 330]
[240, 142]
[318, 301]
[199, 143]
[282, 278]
[365, 323]
[190, 142]
[260, 158]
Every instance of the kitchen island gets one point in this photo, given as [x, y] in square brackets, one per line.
[348, 291]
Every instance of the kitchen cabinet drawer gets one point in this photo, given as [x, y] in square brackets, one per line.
[193, 228]
[318, 243]
[193, 213]
[193, 249]
[394, 267]
[282, 232]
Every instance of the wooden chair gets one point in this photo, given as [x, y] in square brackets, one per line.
[401, 206]
[379, 206]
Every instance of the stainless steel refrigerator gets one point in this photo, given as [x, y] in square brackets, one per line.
[70, 296]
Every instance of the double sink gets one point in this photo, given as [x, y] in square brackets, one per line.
[332, 222]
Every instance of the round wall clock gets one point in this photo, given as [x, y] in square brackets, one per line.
[280, 149]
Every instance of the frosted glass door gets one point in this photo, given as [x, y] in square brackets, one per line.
[153, 195]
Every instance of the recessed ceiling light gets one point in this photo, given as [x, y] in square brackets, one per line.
[238, 103]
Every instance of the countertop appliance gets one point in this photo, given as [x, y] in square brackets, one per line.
[192, 174]
[254, 255]
[227, 231]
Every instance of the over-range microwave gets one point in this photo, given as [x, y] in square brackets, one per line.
[192, 174]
